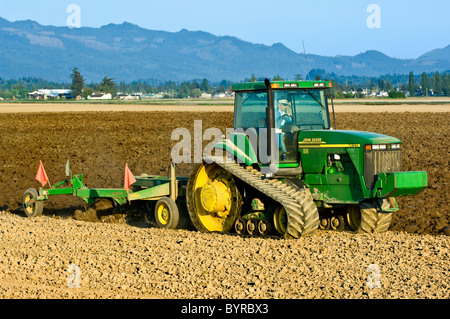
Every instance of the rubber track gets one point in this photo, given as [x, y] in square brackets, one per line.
[373, 221]
[302, 213]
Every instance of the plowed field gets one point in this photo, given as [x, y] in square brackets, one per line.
[131, 259]
[99, 144]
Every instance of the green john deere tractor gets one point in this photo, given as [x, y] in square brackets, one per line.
[285, 170]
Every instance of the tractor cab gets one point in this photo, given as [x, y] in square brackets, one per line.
[285, 107]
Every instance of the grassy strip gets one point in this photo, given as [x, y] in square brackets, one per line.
[223, 102]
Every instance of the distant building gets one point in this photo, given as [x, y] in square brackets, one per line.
[100, 96]
[44, 94]
[159, 95]
[133, 96]
[205, 96]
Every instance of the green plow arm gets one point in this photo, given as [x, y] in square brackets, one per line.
[90, 194]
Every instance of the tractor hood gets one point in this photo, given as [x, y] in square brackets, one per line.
[324, 138]
[314, 146]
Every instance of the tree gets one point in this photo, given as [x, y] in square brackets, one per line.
[425, 84]
[411, 84]
[445, 84]
[204, 86]
[396, 95]
[388, 86]
[184, 90]
[123, 87]
[196, 93]
[194, 85]
[436, 83]
[298, 77]
[77, 82]
[107, 85]
[371, 84]
[86, 92]
[18, 90]
[381, 84]
[277, 78]
[6, 94]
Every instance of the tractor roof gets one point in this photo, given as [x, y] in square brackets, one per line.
[254, 86]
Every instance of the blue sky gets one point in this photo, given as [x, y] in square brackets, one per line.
[406, 28]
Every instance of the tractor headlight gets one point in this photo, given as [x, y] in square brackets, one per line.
[369, 147]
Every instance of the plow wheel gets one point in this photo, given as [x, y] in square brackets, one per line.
[166, 213]
[213, 199]
[367, 218]
[31, 206]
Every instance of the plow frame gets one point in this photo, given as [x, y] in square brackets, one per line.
[146, 187]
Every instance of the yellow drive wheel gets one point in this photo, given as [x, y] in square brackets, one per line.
[213, 199]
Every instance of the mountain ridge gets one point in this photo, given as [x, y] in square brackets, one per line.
[127, 52]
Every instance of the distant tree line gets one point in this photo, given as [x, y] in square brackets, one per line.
[429, 84]
[18, 88]
[425, 84]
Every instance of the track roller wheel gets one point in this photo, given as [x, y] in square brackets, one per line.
[31, 206]
[337, 222]
[367, 218]
[264, 227]
[252, 226]
[324, 223]
[213, 199]
[166, 213]
[240, 226]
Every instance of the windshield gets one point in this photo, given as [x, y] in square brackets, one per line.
[301, 109]
[307, 109]
[250, 109]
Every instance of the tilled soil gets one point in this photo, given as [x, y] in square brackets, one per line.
[128, 258]
[117, 260]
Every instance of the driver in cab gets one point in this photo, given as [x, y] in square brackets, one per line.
[283, 116]
[282, 113]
